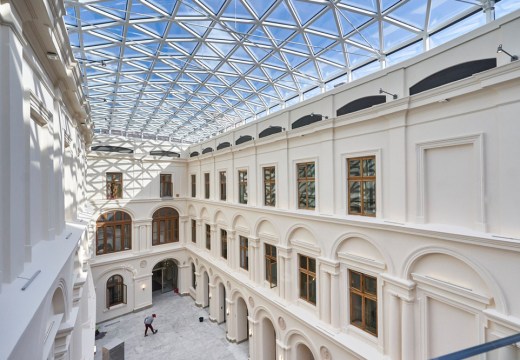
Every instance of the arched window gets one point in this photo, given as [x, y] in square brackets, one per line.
[116, 291]
[113, 232]
[165, 226]
[193, 277]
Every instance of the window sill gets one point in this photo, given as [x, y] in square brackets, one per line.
[115, 307]
[362, 334]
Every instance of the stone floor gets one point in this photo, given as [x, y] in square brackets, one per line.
[180, 334]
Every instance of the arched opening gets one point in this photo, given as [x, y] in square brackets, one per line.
[242, 321]
[221, 303]
[303, 352]
[165, 226]
[113, 232]
[58, 302]
[116, 291]
[205, 287]
[165, 276]
[268, 340]
[193, 277]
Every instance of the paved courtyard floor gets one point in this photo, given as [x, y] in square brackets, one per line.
[180, 335]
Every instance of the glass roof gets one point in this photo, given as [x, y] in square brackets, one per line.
[187, 70]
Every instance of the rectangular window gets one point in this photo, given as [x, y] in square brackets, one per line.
[193, 185]
[223, 185]
[307, 279]
[269, 186]
[244, 257]
[362, 186]
[208, 237]
[206, 185]
[306, 186]
[114, 186]
[194, 231]
[242, 186]
[270, 265]
[223, 243]
[363, 301]
[166, 185]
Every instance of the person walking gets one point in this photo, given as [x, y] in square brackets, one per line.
[148, 324]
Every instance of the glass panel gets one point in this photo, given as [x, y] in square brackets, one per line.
[109, 232]
[118, 238]
[312, 197]
[274, 278]
[128, 236]
[355, 197]
[369, 197]
[303, 285]
[100, 242]
[312, 289]
[302, 195]
[303, 262]
[312, 265]
[355, 280]
[371, 315]
[356, 311]
[155, 232]
[310, 170]
[119, 215]
[301, 171]
[354, 168]
[370, 285]
[369, 167]
[161, 232]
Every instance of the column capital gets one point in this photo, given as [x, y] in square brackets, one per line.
[402, 288]
[184, 218]
[328, 265]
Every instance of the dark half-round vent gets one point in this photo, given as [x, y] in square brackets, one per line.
[243, 139]
[110, 148]
[306, 120]
[360, 104]
[223, 145]
[195, 153]
[453, 73]
[270, 131]
[164, 153]
[207, 150]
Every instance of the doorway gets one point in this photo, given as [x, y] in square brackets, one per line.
[165, 276]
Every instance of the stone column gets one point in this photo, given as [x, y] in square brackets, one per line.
[213, 241]
[394, 318]
[231, 321]
[407, 323]
[199, 293]
[183, 229]
[184, 279]
[213, 303]
[254, 259]
[284, 272]
[282, 351]
[232, 249]
[334, 301]
[199, 233]
[324, 303]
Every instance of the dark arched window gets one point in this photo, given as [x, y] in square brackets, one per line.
[165, 226]
[113, 232]
[116, 291]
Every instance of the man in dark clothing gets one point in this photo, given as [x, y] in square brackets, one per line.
[148, 324]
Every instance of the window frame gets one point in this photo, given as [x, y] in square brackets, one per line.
[125, 223]
[171, 235]
[243, 251]
[223, 243]
[110, 291]
[207, 183]
[306, 180]
[269, 258]
[242, 187]
[272, 185]
[110, 184]
[361, 292]
[222, 185]
[193, 185]
[308, 273]
[193, 231]
[362, 179]
[208, 236]
[167, 184]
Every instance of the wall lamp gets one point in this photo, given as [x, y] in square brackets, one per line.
[227, 311]
[209, 295]
[143, 287]
[250, 332]
[381, 91]
[500, 49]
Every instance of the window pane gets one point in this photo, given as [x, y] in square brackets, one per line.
[369, 167]
[128, 236]
[312, 265]
[354, 168]
[312, 289]
[110, 238]
[301, 171]
[100, 241]
[355, 197]
[369, 197]
[303, 262]
[310, 170]
[118, 238]
[356, 312]
[274, 279]
[371, 315]
[303, 285]
[370, 285]
[355, 280]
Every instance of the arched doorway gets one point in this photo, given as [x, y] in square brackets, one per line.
[205, 289]
[242, 321]
[165, 276]
[268, 340]
[221, 303]
[303, 352]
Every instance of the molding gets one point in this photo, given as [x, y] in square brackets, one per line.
[39, 112]
[362, 262]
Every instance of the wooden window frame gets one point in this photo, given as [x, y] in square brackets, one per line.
[193, 230]
[305, 180]
[111, 287]
[206, 185]
[364, 295]
[244, 252]
[114, 187]
[166, 189]
[270, 259]
[223, 185]
[269, 185]
[242, 187]
[208, 237]
[362, 179]
[193, 185]
[172, 233]
[110, 222]
[308, 273]
[223, 244]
